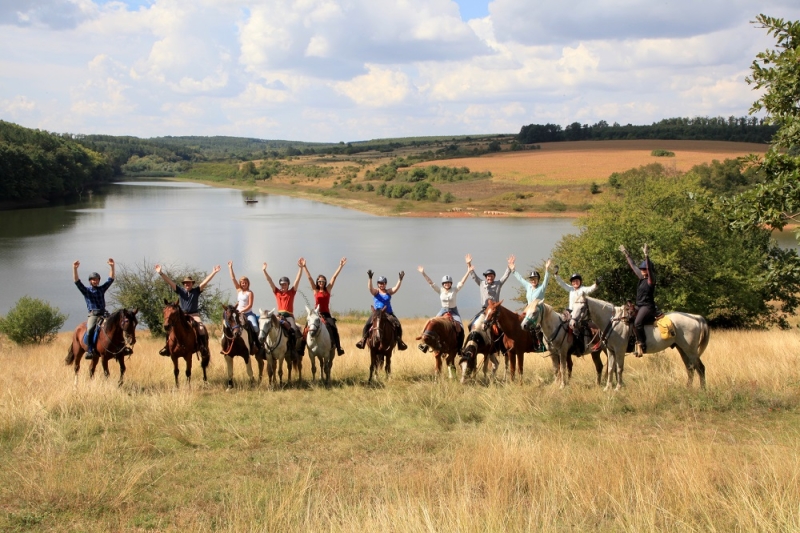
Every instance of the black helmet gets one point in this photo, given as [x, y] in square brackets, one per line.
[534, 274]
[94, 275]
[643, 265]
[490, 271]
[284, 279]
[574, 277]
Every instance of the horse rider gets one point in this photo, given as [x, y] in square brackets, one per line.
[189, 301]
[575, 289]
[245, 299]
[447, 296]
[489, 286]
[95, 301]
[322, 299]
[284, 296]
[534, 291]
[382, 299]
[645, 297]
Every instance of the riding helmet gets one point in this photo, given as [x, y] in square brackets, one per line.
[574, 277]
[381, 279]
[643, 265]
[284, 279]
[94, 275]
[490, 271]
[534, 274]
[447, 279]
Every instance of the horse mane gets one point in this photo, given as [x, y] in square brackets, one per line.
[112, 319]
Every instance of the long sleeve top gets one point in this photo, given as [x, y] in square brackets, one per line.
[490, 291]
[448, 298]
[573, 292]
[532, 294]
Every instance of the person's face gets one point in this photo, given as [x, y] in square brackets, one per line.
[447, 285]
[188, 285]
[94, 282]
[534, 281]
[321, 282]
[645, 273]
[576, 283]
[244, 284]
[382, 285]
[284, 285]
[489, 278]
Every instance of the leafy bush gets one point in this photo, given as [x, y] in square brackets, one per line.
[594, 188]
[140, 286]
[32, 321]
[554, 205]
[662, 153]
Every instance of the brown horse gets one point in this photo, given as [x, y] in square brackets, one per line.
[381, 340]
[233, 343]
[183, 341]
[442, 335]
[115, 338]
[516, 340]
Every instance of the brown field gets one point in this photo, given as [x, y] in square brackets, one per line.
[586, 161]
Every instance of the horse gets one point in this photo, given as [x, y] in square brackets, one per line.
[691, 337]
[183, 341]
[516, 340]
[478, 342]
[319, 343]
[381, 340]
[233, 344]
[558, 339]
[273, 342]
[442, 335]
[115, 339]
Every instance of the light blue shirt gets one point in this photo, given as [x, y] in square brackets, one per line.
[531, 293]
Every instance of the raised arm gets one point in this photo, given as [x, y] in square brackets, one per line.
[342, 262]
[372, 290]
[269, 279]
[630, 262]
[464, 279]
[428, 279]
[166, 278]
[563, 284]
[471, 268]
[308, 275]
[111, 266]
[206, 281]
[651, 274]
[300, 263]
[75, 266]
[233, 276]
[399, 282]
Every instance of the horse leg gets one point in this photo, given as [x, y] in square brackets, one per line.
[620, 369]
[175, 368]
[188, 359]
[260, 363]
[691, 364]
[438, 358]
[205, 359]
[249, 365]
[388, 365]
[512, 359]
[121, 360]
[104, 363]
[521, 362]
[229, 365]
[314, 366]
[373, 366]
[598, 365]
[93, 365]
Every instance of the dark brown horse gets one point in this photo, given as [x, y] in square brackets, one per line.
[233, 342]
[516, 340]
[442, 334]
[115, 338]
[381, 340]
[183, 341]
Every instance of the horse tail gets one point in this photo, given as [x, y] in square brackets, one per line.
[705, 334]
[70, 356]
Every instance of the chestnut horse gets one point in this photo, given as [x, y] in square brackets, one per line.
[516, 340]
[183, 341]
[442, 335]
[115, 338]
[381, 341]
[233, 343]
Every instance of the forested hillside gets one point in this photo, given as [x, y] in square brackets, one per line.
[36, 165]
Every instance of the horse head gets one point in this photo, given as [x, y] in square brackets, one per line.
[172, 314]
[266, 321]
[313, 322]
[491, 313]
[128, 323]
[231, 323]
[534, 312]
[580, 311]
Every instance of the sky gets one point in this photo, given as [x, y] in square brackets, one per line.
[350, 70]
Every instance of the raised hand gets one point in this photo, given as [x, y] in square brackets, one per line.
[301, 262]
[555, 270]
[511, 261]
[158, 269]
[264, 267]
[645, 249]
[370, 273]
[111, 261]
[401, 274]
[76, 264]
[216, 269]
[622, 249]
[547, 265]
[468, 258]
[421, 269]
[342, 261]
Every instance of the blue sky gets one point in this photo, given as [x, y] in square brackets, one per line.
[333, 70]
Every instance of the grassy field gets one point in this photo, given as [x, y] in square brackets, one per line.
[555, 180]
[411, 454]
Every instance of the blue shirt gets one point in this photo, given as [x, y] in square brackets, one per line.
[189, 300]
[381, 300]
[95, 296]
[532, 294]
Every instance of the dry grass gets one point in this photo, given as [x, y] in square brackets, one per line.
[410, 454]
[586, 161]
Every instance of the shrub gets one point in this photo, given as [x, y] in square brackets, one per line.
[662, 153]
[140, 286]
[554, 205]
[594, 188]
[32, 321]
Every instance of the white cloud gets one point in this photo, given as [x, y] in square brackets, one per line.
[378, 88]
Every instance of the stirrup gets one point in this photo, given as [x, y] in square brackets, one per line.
[360, 344]
[423, 348]
[401, 345]
[164, 351]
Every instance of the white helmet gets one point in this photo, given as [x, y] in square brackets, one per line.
[447, 279]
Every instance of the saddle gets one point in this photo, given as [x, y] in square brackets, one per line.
[97, 329]
[456, 323]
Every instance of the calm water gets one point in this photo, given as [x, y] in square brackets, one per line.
[199, 226]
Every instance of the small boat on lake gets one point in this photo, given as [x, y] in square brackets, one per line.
[250, 201]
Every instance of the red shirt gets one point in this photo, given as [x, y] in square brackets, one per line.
[323, 300]
[285, 300]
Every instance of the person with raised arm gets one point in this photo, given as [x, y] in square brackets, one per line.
[447, 294]
[189, 301]
[244, 304]
[575, 289]
[284, 297]
[645, 297]
[382, 299]
[489, 286]
[533, 291]
[95, 298]
[322, 299]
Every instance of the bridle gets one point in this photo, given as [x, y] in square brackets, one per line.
[264, 331]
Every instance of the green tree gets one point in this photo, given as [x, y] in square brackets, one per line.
[702, 264]
[139, 286]
[32, 321]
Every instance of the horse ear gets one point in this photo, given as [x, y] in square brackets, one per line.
[272, 312]
[308, 311]
[261, 312]
[500, 303]
[166, 302]
[372, 308]
[135, 310]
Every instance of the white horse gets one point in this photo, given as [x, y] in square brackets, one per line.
[558, 340]
[320, 345]
[273, 346]
[691, 337]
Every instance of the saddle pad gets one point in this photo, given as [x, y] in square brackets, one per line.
[665, 327]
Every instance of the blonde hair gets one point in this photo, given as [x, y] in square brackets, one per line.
[243, 279]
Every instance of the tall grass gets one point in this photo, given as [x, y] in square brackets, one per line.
[407, 454]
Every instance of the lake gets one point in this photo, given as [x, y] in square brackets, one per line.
[177, 223]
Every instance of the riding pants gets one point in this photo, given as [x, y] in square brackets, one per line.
[91, 325]
[645, 315]
[329, 320]
[453, 312]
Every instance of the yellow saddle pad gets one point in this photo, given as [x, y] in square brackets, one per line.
[665, 327]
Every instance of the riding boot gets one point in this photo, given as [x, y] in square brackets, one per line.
[399, 332]
[165, 349]
[640, 349]
[336, 342]
[360, 344]
[290, 341]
